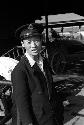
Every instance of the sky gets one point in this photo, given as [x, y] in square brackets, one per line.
[13, 14]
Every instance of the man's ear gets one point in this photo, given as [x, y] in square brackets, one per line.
[22, 43]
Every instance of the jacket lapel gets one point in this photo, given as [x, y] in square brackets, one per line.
[46, 80]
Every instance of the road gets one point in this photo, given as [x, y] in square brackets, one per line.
[74, 113]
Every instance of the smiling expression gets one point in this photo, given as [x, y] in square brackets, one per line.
[32, 45]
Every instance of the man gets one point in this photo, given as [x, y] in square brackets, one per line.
[32, 81]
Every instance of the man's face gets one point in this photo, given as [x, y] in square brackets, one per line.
[32, 45]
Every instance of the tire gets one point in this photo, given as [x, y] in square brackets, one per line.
[7, 105]
[58, 61]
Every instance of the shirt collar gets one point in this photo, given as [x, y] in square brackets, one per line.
[32, 61]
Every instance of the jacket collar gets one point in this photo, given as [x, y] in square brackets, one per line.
[31, 61]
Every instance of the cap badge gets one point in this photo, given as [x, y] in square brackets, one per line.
[30, 27]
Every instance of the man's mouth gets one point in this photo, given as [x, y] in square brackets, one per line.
[34, 50]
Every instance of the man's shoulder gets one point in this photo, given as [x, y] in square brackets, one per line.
[20, 64]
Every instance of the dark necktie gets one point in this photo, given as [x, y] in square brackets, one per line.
[42, 77]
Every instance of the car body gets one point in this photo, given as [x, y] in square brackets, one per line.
[65, 53]
[66, 56]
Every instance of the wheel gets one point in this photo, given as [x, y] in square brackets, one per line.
[58, 62]
[5, 106]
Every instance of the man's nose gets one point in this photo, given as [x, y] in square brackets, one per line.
[33, 44]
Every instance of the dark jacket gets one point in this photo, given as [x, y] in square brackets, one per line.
[31, 92]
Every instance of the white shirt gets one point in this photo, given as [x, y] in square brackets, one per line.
[32, 61]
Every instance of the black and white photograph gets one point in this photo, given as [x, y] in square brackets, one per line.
[42, 62]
